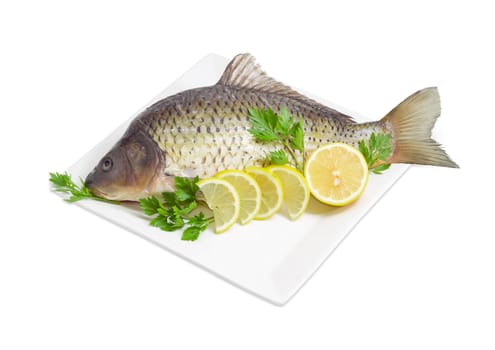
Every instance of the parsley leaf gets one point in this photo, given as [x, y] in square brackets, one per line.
[161, 222]
[264, 123]
[380, 168]
[364, 150]
[197, 224]
[278, 157]
[282, 128]
[191, 233]
[377, 152]
[150, 205]
[169, 199]
[297, 136]
[187, 208]
[284, 121]
[63, 183]
[174, 213]
[185, 189]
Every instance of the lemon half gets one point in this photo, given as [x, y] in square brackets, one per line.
[336, 173]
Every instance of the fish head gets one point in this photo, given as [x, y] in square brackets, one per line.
[128, 171]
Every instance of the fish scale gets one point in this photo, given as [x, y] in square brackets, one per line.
[192, 130]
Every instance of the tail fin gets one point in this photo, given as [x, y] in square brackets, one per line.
[412, 121]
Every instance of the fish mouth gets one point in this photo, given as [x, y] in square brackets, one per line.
[94, 191]
[98, 193]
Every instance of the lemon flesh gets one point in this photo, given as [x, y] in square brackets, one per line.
[271, 191]
[295, 189]
[222, 198]
[248, 190]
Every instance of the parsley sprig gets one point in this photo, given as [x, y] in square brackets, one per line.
[282, 128]
[175, 211]
[377, 151]
[62, 182]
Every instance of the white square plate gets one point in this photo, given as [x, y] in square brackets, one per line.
[271, 259]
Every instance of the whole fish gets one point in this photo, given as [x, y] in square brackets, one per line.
[201, 131]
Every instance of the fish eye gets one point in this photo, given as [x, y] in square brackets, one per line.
[107, 164]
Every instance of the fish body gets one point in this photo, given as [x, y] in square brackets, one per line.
[205, 130]
[201, 131]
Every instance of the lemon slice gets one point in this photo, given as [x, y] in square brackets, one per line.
[248, 190]
[336, 173]
[295, 187]
[271, 191]
[222, 198]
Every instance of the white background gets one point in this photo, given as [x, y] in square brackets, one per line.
[418, 272]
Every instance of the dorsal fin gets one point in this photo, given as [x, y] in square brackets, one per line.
[244, 73]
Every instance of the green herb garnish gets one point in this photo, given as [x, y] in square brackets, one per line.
[63, 183]
[282, 128]
[174, 212]
[378, 149]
